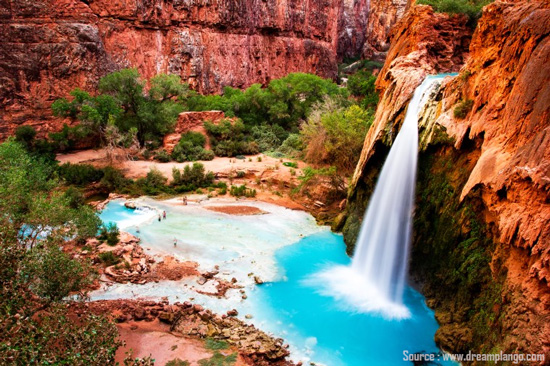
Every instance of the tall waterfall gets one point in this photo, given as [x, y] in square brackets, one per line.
[376, 279]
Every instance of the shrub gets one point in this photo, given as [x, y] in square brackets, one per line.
[335, 135]
[74, 197]
[113, 179]
[229, 139]
[463, 108]
[290, 164]
[192, 177]
[25, 134]
[191, 148]
[219, 359]
[242, 191]
[109, 233]
[215, 345]
[153, 183]
[471, 8]
[361, 84]
[109, 259]
[268, 137]
[292, 146]
[177, 362]
[162, 156]
[80, 174]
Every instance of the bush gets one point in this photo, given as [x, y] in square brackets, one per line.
[80, 174]
[215, 345]
[463, 108]
[242, 191]
[191, 178]
[113, 179]
[471, 8]
[109, 259]
[109, 233]
[74, 197]
[335, 135]
[228, 139]
[162, 156]
[153, 183]
[268, 137]
[361, 84]
[177, 362]
[25, 134]
[191, 148]
[292, 146]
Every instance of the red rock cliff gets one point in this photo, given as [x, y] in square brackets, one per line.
[51, 46]
[498, 164]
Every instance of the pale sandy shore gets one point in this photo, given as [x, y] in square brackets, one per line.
[257, 174]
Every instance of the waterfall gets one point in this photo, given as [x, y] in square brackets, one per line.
[376, 279]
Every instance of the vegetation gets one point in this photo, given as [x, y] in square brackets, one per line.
[471, 8]
[219, 359]
[124, 103]
[109, 233]
[191, 178]
[109, 259]
[80, 174]
[335, 135]
[284, 102]
[36, 274]
[463, 108]
[191, 148]
[242, 191]
[215, 345]
[229, 139]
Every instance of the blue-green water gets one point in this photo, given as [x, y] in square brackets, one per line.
[318, 327]
[336, 335]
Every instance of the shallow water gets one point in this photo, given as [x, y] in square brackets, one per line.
[287, 248]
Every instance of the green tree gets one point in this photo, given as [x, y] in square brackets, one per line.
[35, 273]
[335, 135]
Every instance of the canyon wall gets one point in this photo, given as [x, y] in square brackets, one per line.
[383, 15]
[482, 223]
[51, 46]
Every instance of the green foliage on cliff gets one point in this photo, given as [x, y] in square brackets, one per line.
[453, 248]
[36, 274]
[471, 8]
[463, 108]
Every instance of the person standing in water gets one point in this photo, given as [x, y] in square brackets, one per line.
[160, 218]
[175, 242]
[164, 215]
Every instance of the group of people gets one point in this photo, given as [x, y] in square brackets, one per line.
[163, 216]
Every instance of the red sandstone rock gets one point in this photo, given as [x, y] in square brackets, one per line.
[191, 121]
[383, 14]
[423, 43]
[51, 46]
[508, 79]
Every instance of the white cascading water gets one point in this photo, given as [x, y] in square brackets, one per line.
[376, 279]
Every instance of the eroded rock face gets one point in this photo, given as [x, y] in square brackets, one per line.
[491, 167]
[423, 43]
[383, 14]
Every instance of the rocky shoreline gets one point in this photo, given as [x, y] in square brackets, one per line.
[192, 320]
